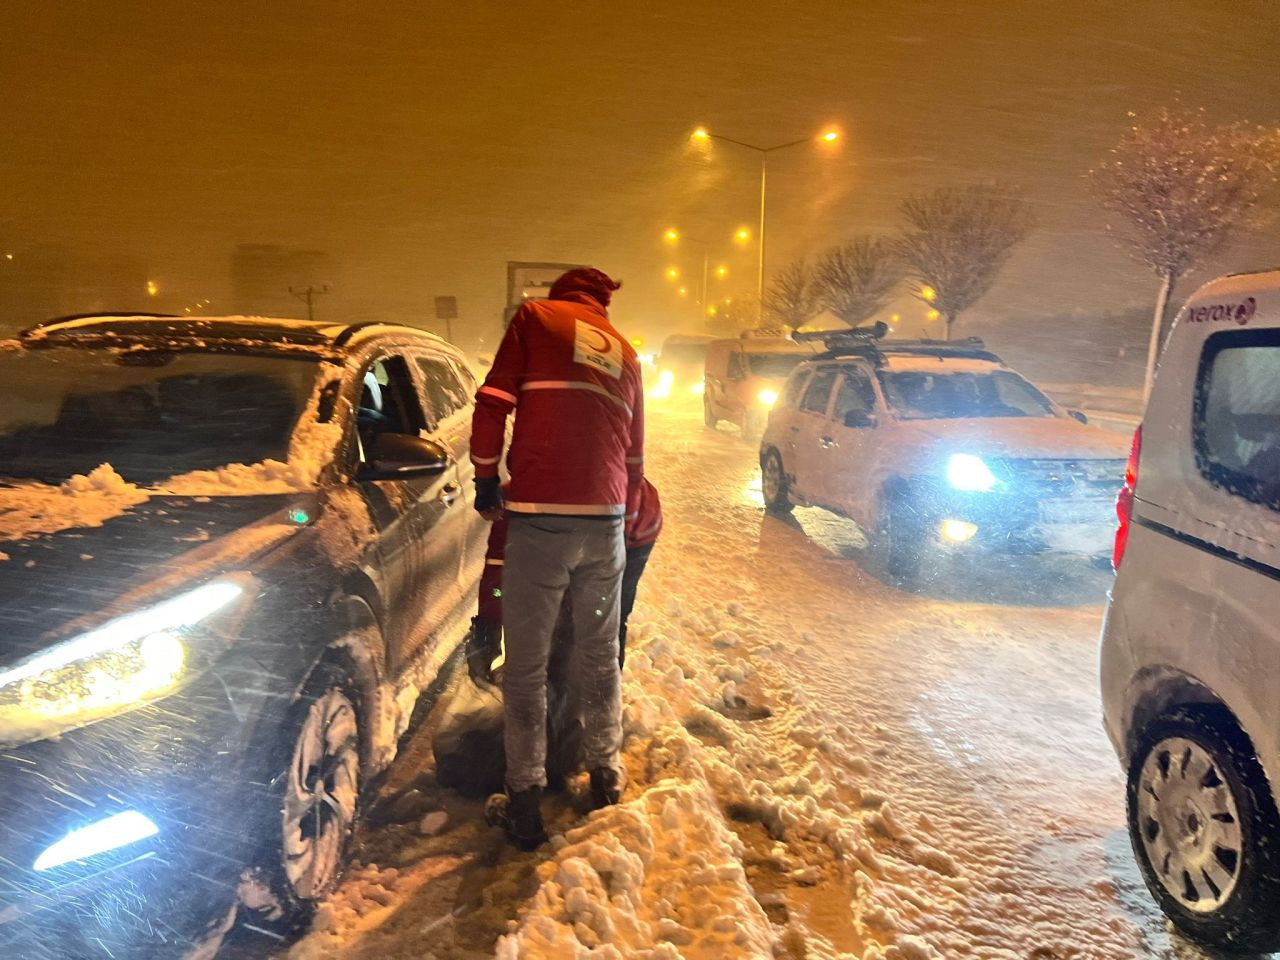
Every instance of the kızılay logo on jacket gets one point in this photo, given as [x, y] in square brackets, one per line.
[595, 348]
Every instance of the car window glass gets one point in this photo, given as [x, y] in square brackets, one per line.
[856, 395]
[819, 392]
[735, 369]
[151, 415]
[388, 401]
[1237, 426]
[774, 366]
[795, 387]
[920, 395]
[445, 392]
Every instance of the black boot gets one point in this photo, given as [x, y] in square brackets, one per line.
[524, 818]
[605, 787]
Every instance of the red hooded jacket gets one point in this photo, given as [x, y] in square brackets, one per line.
[574, 382]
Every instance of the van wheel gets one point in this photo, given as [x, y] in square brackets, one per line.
[773, 484]
[896, 544]
[1203, 825]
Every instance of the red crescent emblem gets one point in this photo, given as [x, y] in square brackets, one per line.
[605, 343]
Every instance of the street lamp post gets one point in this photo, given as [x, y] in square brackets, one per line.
[674, 236]
[702, 134]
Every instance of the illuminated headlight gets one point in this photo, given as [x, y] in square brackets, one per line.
[969, 473]
[112, 833]
[767, 397]
[121, 664]
[666, 379]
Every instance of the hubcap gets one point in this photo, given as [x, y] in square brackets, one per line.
[1190, 825]
[772, 479]
[320, 796]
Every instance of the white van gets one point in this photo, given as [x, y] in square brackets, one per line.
[1190, 662]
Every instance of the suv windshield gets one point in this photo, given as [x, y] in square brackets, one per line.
[150, 415]
[773, 366]
[918, 395]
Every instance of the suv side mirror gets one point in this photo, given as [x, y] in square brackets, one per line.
[1078, 415]
[858, 419]
[402, 456]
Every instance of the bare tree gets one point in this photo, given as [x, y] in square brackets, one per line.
[855, 281]
[791, 299]
[957, 239]
[1183, 188]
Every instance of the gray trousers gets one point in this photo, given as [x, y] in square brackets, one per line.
[545, 557]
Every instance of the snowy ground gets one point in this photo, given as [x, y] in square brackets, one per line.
[821, 766]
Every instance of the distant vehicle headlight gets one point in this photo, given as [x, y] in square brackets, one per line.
[767, 397]
[123, 663]
[969, 473]
[666, 379]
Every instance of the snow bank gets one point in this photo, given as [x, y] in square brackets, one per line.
[731, 806]
[30, 510]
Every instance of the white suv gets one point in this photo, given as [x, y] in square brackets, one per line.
[1191, 643]
[938, 445]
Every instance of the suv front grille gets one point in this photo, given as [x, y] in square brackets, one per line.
[1084, 479]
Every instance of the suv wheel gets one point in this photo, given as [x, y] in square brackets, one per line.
[896, 544]
[316, 798]
[773, 484]
[1203, 825]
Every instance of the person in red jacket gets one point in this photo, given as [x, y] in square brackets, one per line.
[576, 463]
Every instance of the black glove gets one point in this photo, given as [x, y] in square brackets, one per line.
[488, 494]
[484, 644]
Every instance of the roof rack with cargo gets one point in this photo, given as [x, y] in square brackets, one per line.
[869, 344]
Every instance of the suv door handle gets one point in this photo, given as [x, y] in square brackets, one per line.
[795, 429]
[449, 493]
[826, 443]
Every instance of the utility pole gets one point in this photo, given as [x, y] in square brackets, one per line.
[308, 296]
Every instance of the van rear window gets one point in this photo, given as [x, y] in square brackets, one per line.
[1237, 414]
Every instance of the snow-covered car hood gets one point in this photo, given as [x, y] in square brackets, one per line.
[1020, 438]
[51, 581]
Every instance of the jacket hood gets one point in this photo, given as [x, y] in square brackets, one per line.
[596, 284]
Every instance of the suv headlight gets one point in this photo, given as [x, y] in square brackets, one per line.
[969, 473]
[123, 663]
[767, 397]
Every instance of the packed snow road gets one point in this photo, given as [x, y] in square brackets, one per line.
[821, 766]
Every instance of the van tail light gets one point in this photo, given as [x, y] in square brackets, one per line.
[1124, 501]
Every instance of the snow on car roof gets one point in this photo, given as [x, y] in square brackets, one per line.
[902, 361]
[307, 335]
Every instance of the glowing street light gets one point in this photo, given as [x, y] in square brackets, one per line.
[673, 273]
[683, 291]
[722, 271]
[929, 294]
[152, 288]
[703, 136]
[743, 235]
[672, 235]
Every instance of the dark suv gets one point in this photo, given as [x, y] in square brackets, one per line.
[231, 552]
